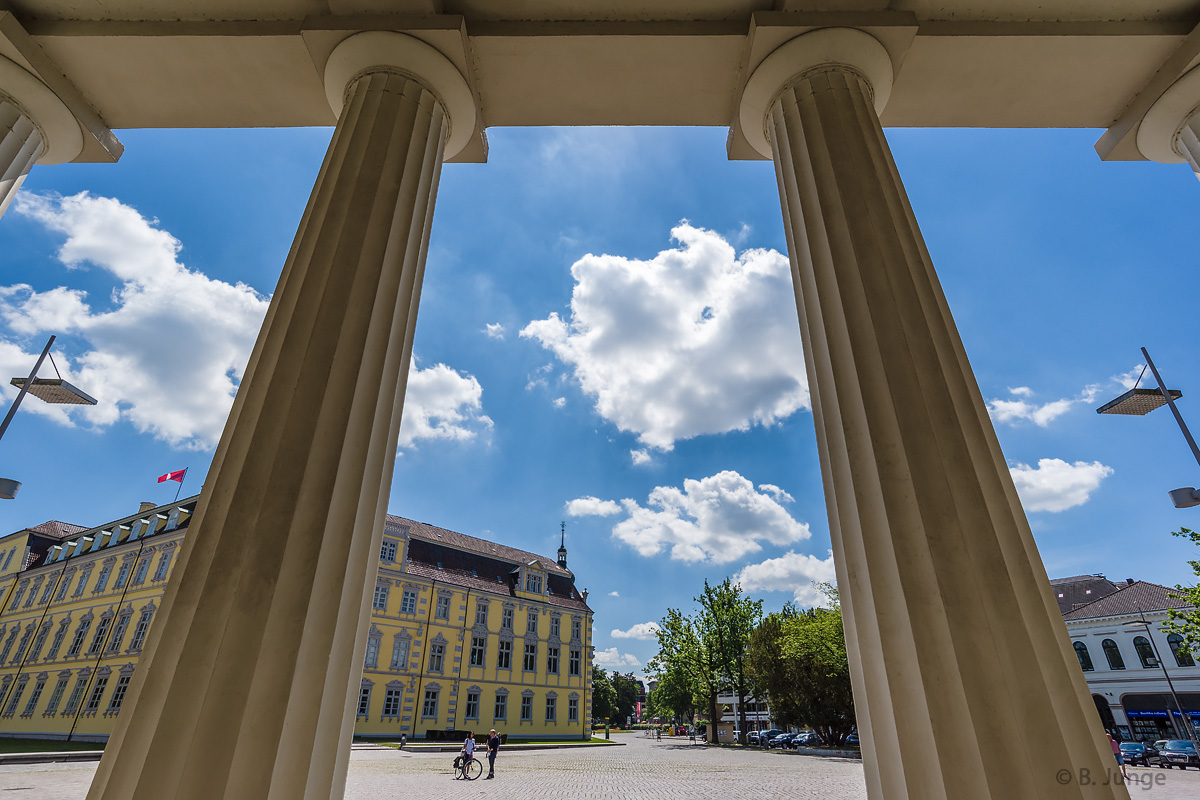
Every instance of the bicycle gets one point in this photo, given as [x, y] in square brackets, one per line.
[470, 769]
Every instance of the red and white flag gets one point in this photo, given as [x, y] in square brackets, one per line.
[173, 476]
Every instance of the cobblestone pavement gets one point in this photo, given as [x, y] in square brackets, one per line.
[643, 769]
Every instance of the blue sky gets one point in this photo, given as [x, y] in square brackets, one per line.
[576, 362]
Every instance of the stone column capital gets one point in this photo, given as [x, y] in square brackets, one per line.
[1158, 137]
[826, 47]
[389, 51]
[62, 140]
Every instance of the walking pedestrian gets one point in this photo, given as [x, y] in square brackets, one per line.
[493, 745]
[1116, 748]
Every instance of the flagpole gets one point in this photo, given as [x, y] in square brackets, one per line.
[180, 487]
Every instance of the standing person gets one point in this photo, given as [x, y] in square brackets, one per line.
[468, 752]
[493, 745]
[403, 740]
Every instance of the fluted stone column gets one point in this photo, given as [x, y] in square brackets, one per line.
[20, 145]
[1170, 131]
[965, 683]
[246, 686]
[35, 126]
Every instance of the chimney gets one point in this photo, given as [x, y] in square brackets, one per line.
[145, 506]
[1129, 581]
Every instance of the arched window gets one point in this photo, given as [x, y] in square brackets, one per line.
[1183, 656]
[1113, 654]
[1145, 651]
[1085, 658]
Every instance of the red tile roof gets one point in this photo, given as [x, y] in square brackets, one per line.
[57, 530]
[1131, 598]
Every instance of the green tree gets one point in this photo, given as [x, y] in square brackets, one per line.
[773, 674]
[1186, 622]
[685, 657]
[727, 619]
[628, 689]
[799, 659]
[604, 696]
[673, 697]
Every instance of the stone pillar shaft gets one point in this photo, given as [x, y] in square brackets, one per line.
[20, 146]
[965, 683]
[245, 689]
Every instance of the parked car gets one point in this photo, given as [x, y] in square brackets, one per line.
[765, 737]
[852, 739]
[1136, 753]
[808, 739]
[1179, 753]
[781, 741]
[752, 737]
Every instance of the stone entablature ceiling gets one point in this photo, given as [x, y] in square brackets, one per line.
[227, 63]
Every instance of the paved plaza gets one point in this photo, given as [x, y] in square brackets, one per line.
[645, 769]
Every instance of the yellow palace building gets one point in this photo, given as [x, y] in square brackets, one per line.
[466, 634]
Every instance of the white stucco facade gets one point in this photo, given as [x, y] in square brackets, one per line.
[1121, 638]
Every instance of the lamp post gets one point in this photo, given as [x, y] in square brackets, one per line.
[1187, 724]
[1139, 402]
[50, 390]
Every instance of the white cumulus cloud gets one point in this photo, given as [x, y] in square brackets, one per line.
[640, 456]
[442, 403]
[697, 340]
[164, 352]
[792, 572]
[642, 630]
[614, 593]
[1130, 379]
[718, 519]
[167, 349]
[1054, 485]
[592, 507]
[494, 330]
[611, 659]
[1019, 407]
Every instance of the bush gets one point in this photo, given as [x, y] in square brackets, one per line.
[452, 736]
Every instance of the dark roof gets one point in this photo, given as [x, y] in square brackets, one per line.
[455, 558]
[460, 541]
[1080, 590]
[1130, 599]
[43, 538]
[56, 529]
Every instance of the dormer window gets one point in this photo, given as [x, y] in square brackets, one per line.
[388, 551]
[533, 583]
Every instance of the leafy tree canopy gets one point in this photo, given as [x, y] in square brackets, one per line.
[799, 659]
[727, 619]
[1186, 622]
[604, 697]
[628, 689]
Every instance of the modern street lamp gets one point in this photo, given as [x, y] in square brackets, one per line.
[1187, 723]
[51, 390]
[1139, 402]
